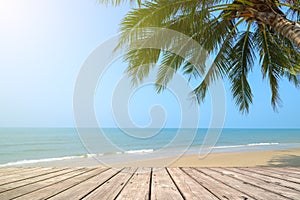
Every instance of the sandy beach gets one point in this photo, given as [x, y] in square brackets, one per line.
[276, 158]
[271, 158]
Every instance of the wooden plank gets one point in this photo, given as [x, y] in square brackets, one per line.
[111, 188]
[138, 186]
[219, 189]
[52, 190]
[170, 183]
[265, 177]
[19, 176]
[278, 171]
[270, 173]
[14, 172]
[285, 170]
[83, 189]
[243, 186]
[277, 189]
[294, 168]
[162, 186]
[189, 188]
[19, 191]
[16, 184]
[9, 171]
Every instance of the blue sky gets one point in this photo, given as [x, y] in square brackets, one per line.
[43, 44]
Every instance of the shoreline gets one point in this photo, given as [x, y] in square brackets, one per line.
[271, 158]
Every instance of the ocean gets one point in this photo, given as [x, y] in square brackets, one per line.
[34, 145]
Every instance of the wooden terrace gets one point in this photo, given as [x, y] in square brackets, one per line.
[150, 183]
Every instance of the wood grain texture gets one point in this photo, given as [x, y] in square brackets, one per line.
[268, 186]
[111, 188]
[218, 188]
[83, 189]
[244, 183]
[162, 186]
[269, 179]
[241, 185]
[26, 174]
[190, 188]
[52, 190]
[38, 183]
[138, 186]
[268, 172]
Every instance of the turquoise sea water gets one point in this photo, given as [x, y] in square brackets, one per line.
[32, 145]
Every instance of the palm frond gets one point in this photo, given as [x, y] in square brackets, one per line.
[170, 63]
[190, 70]
[140, 65]
[153, 14]
[292, 8]
[220, 65]
[272, 61]
[279, 59]
[243, 57]
[216, 25]
[214, 33]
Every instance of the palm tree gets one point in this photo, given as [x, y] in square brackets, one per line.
[239, 34]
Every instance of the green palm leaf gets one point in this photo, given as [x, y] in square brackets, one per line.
[243, 59]
[218, 26]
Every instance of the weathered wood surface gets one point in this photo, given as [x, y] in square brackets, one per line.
[150, 183]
